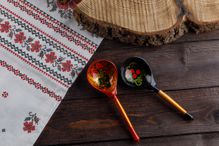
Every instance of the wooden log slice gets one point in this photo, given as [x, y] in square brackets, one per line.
[203, 15]
[146, 22]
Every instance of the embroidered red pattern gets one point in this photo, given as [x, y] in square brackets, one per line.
[19, 37]
[30, 122]
[29, 127]
[55, 28]
[5, 27]
[67, 66]
[30, 81]
[49, 36]
[43, 72]
[66, 5]
[5, 94]
[33, 8]
[36, 47]
[51, 57]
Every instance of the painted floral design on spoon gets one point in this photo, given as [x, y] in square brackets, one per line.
[103, 72]
[134, 74]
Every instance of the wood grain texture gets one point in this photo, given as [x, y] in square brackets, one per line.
[176, 66]
[84, 120]
[202, 15]
[147, 22]
[204, 11]
[139, 16]
[211, 139]
[187, 69]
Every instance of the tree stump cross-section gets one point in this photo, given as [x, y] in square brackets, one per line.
[147, 22]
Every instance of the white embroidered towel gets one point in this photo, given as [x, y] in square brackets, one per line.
[42, 51]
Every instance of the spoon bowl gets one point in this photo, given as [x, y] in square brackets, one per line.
[137, 73]
[132, 77]
[103, 76]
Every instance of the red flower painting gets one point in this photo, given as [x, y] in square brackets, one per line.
[36, 46]
[67, 66]
[5, 27]
[51, 57]
[19, 38]
[99, 65]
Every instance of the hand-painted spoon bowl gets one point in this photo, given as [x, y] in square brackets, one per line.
[103, 76]
[137, 73]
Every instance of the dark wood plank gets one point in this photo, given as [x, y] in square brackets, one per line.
[93, 119]
[209, 139]
[190, 62]
[175, 66]
[192, 37]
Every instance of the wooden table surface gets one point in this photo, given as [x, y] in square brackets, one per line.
[188, 70]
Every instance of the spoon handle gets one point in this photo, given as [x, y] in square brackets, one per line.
[175, 104]
[126, 119]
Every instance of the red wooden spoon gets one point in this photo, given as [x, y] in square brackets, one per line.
[103, 76]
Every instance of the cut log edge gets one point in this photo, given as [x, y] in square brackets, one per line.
[111, 31]
[200, 27]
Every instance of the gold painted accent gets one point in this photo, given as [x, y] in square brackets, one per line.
[123, 113]
[172, 102]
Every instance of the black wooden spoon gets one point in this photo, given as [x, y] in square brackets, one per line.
[136, 73]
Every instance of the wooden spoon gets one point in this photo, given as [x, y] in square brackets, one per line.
[103, 76]
[136, 73]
